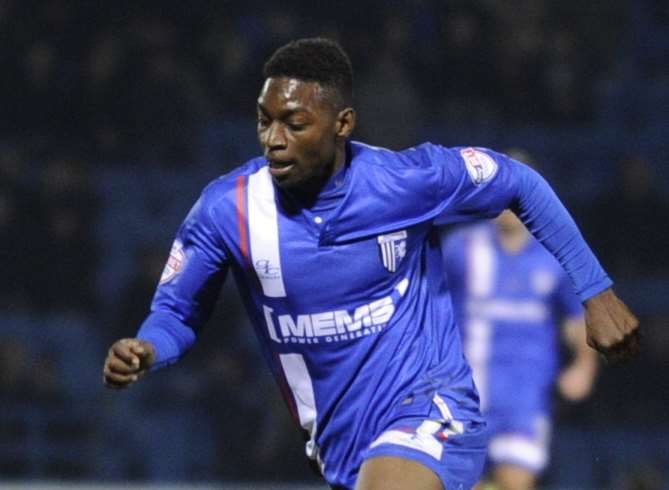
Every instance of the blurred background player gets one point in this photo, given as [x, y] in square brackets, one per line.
[510, 298]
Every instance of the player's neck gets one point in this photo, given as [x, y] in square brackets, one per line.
[513, 240]
[306, 196]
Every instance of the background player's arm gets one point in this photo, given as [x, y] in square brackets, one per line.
[577, 379]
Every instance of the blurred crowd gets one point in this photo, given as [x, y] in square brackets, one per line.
[73, 69]
[113, 117]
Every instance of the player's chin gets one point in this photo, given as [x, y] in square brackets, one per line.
[287, 182]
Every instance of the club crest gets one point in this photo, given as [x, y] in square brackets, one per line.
[393, 248]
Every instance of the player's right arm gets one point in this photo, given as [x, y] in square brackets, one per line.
[183, 302]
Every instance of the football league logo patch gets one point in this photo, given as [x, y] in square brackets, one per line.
[393, 248]
[175, 262]
[480, 166]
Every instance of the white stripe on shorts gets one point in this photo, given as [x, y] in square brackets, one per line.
[513, 448]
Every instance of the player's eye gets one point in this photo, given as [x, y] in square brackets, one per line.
[297, 127]
[263, 122]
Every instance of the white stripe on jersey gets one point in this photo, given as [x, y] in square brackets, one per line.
[481, 265]
[530, 311]
[299, 380]
[477, 351]
[264, 233]
[481, 271]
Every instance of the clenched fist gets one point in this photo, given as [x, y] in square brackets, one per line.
[127, 361]
[611, 327]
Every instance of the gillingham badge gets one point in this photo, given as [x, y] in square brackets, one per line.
[393, 248]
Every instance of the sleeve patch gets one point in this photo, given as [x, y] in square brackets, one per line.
[481, 167]
[175, 262]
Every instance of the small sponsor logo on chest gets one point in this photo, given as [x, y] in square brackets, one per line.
[267, 270]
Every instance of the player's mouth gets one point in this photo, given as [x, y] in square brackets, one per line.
[279, 169]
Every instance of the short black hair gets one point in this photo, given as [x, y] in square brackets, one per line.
[314, 59]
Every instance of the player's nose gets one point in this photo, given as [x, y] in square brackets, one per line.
[275, 137]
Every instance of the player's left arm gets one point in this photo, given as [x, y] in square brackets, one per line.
[611, 328]
[482, 183]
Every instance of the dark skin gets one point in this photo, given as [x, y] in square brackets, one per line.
[611, 328]
[127, 361]
[303, 128]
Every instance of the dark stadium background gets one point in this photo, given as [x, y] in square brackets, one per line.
[115, 114]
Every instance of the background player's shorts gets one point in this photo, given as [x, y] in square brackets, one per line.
[454, 449]
[520, 439]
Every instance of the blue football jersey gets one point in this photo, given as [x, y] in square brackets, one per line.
[347, 297]
[509, 307]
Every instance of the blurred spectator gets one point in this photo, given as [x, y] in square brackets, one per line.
[105, 92]
[18, 225]
[133, 307]
[465, 74]
[643, 477]
[169, 105]
[13, 293]
[636, 246]
[167, 96]
[39, 107]
[517, 53]
[566, 83]
[226, 60]
[386, 98]
[25, 374]
[66, 250]
[138, 82]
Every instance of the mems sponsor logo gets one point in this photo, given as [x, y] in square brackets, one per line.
[333, 326]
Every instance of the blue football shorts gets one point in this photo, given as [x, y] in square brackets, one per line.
[454, 448]
[519, 437]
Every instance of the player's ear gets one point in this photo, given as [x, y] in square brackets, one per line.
[345, 122]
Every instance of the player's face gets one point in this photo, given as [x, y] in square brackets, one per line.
[298, 131]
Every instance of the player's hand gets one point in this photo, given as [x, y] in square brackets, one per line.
[611, 327]
[127, 361]
[575, 382]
